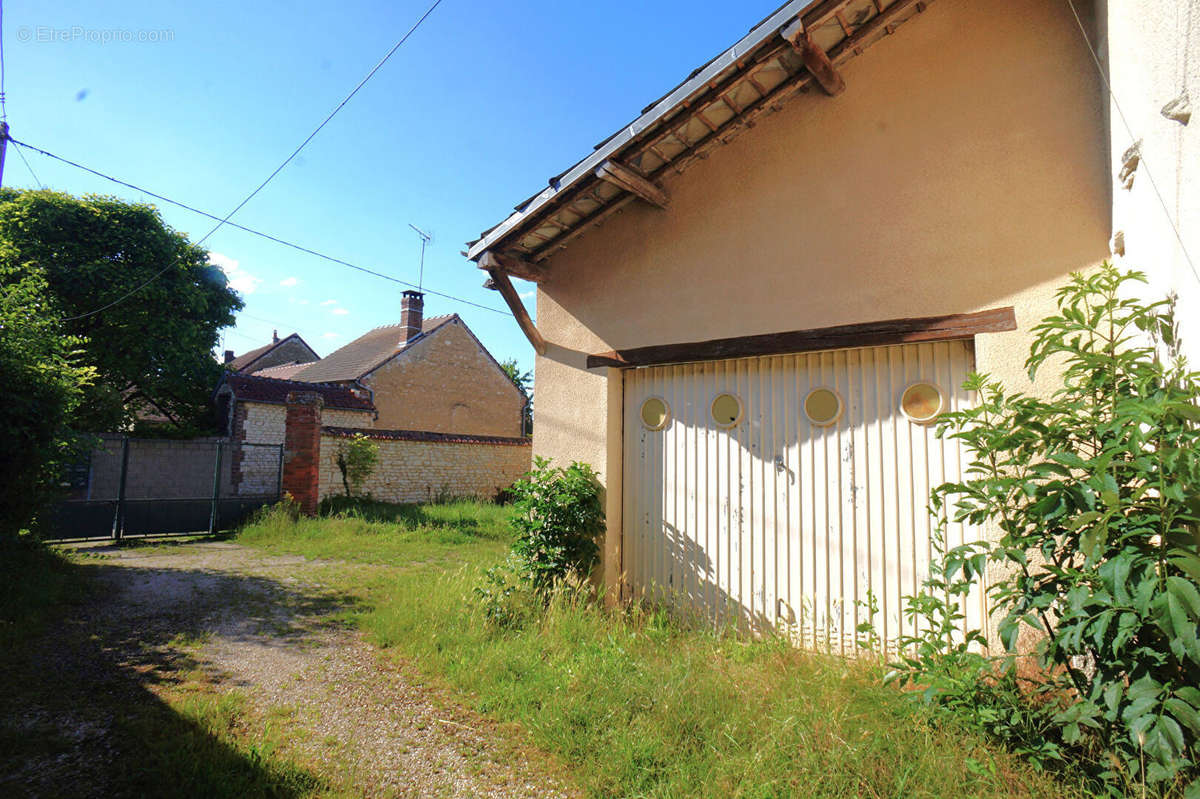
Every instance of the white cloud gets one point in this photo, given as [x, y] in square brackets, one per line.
[329, 302]
[330, 335]
[527, 295]
[288, 282]
[302, 302]
[340, 311]
[239, 279]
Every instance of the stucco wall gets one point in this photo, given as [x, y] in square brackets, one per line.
[422, 471]
[964, 168]
[1153, 52]
[446, 383]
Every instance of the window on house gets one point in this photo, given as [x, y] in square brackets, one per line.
[921, 403]
[655, 413]
[822, 406]
[726, 410]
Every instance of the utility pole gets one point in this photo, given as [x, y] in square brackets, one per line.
[425, 237]
[3, 147]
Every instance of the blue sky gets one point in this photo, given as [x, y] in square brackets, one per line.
[200, 101]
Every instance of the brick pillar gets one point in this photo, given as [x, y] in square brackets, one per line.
[302, 449]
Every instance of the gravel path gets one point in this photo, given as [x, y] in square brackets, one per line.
[263, 625]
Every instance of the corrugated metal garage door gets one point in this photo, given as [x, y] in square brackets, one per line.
[776, 521]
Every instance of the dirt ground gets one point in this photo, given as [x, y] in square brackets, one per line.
[262, 627]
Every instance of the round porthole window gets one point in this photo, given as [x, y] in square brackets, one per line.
[726, 410]
[655, 413]
[921, 402]
[822, 406]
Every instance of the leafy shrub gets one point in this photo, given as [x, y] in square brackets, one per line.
[1096, 495]
[44, 384]
[558, 520]
[356, 459]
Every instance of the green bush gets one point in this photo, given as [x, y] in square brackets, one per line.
[356, 459]
[1096, 494]
[558, 520]
[43, 384]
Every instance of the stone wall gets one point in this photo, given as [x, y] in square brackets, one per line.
[446, 382]
[290, 350]
[422, 467]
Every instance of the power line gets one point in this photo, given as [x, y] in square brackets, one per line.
[1129, 130]
[225, 220]
[252, 231]
[25, 161]
[324, 122]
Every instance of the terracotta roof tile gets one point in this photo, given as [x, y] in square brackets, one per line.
[423, 435]
[364, 353]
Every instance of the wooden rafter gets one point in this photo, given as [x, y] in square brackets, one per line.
[511, 265]
[867, 334]
[654, 136]
[623, 177]
[815, 59]
[500, 282]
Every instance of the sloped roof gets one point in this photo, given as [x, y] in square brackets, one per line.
[284, 371]
[716, 102]
[253, 388]
[244, 361]
[364, 353]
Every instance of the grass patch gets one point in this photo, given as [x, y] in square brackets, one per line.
[634, 703]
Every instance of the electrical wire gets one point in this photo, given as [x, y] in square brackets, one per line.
[1129, 130]
[252, 231]
[221, 221]
[325, 121]
[25, 161]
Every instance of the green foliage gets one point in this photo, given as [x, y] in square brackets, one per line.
[151, 352]
[1096, 496]
[356, 459]
[523, 381]
[43, 384]
[558, 520]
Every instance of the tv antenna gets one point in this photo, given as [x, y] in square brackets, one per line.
[425, 239]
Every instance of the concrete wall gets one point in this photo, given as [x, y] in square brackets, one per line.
[421, 471]
[1153, 52]
[964, 168]
[446, 383]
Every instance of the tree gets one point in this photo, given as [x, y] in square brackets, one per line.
[523, 381]
[150, 351]
[43, 383]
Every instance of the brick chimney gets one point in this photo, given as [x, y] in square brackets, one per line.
[411, 311]
[274, 336]
[228, 356]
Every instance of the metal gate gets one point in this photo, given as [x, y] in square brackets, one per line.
[128, 486]
[799, 501]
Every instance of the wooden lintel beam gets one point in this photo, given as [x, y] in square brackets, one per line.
[869, 334]
[510, 264]
[816, 60]
[623, 177]
[505, 287]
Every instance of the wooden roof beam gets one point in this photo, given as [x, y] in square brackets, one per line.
[625, 178]
[816, 60]
[500, 282]
[511, 265]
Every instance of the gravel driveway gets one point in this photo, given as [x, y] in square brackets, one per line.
[264, 627]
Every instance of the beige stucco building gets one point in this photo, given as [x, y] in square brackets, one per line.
[856, 198]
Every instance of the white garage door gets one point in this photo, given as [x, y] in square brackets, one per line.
[785, 490]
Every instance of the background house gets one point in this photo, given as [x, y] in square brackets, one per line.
[805, 248]
[280, 354]
[431, 375]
